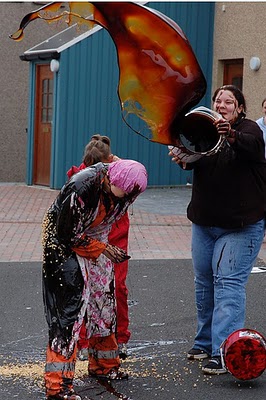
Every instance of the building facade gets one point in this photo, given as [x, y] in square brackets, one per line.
[69, 103]
[14, 88]
[227, 37]
[239, 49]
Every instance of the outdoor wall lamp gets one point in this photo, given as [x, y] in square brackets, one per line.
[254, 63]
[54, 65]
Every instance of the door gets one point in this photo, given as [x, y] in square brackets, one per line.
[43, 125]
[233, 73]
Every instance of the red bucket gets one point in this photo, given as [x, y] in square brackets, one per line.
[244, 354]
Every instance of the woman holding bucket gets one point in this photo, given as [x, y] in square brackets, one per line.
[227, 211]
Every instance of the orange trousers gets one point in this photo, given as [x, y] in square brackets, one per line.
[60, 371]
[103, 354]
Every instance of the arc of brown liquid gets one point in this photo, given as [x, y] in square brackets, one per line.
[159, 76]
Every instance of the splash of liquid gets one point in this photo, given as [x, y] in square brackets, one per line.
[159, 76]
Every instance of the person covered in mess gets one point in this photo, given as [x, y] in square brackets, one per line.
[227, 210]
[78, 271]
[262, 121]
[99, 149]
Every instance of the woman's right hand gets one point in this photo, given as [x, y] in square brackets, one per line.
[177, 160]
[115, 254]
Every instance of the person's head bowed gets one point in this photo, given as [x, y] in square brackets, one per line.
[129, 176]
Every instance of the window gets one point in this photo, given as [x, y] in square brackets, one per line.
[47, 100]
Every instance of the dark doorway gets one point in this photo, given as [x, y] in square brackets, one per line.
[233, 73]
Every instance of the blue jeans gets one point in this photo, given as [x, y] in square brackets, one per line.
[222, 262]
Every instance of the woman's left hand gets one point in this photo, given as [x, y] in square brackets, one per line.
[223, 127]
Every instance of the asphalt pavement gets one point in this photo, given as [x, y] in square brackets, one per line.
[162, 316]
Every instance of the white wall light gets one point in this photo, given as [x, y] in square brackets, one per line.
[254, 63]
[54, 65]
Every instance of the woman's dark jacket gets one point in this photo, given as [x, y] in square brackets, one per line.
[229, 188]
